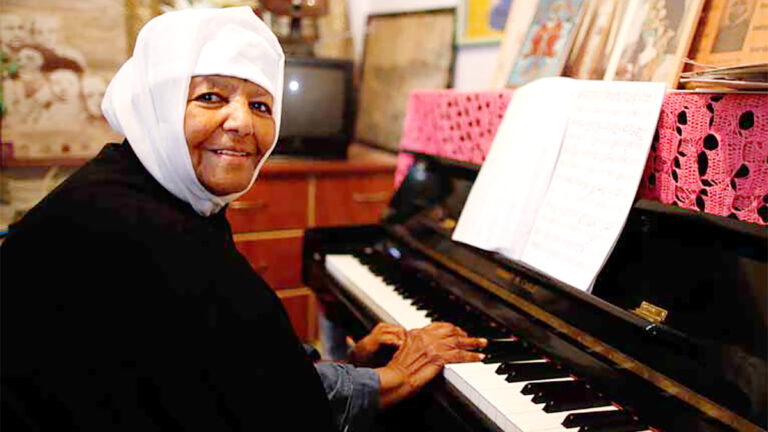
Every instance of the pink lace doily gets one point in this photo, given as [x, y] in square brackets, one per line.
[710, 152]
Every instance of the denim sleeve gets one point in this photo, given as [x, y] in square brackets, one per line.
[353, 394]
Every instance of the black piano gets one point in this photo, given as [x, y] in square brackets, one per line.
[672, 336]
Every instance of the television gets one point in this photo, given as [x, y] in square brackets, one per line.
[318, 108]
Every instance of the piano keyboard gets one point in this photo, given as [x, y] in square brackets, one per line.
[517, 389]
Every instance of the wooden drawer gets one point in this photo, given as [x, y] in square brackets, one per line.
[351, 200]
[275, 256]
[302, 310]
[276, 203]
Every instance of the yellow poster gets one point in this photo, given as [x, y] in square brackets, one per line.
[482, 21]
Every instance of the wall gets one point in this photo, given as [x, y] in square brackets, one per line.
[474, 64]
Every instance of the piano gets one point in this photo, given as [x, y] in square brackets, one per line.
[672, 337]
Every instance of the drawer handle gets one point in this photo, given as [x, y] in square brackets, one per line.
[247, 205]
[370, 197]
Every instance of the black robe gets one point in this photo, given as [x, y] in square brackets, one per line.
[123, 309]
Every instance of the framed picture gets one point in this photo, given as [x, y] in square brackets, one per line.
[481, 21]
[547, 41]
[654, 39]
[60, 59]
[734, 32]
[595, 39]
[399, 56]
[518, 22]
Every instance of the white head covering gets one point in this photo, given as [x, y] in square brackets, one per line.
[146, 100]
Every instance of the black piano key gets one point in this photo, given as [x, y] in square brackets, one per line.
[564, 395]
[533, 371]
[623, 427]
[538, 387]
[510, 357]
[574, 401]
[600, 418]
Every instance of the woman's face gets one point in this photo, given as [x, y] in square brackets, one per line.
[229, 127]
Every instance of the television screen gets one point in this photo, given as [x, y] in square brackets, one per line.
[317, 112]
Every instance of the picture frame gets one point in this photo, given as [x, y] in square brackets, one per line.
[400, 56]
[654, 39]
[734, 32]
[518, 22]
[481, 22]
[62, 58]
[547, 41]
[595, 39]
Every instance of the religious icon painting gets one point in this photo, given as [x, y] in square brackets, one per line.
[547, 41]
[654, 39]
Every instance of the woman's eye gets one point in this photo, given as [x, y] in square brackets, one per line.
[261, 107]
[209, 97]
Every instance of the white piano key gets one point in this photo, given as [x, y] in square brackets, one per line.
[371, 289]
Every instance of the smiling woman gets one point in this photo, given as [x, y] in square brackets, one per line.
[229, 128]
[147, 316]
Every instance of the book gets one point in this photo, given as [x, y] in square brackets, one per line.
[562, 174]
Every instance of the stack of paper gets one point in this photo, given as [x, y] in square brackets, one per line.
[561, 175]
[740, 77]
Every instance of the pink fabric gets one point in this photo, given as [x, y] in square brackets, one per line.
[452, 124]
[710, 152]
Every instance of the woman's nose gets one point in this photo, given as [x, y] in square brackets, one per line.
[239, 118]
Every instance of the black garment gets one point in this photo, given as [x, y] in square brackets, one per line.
[123, 309]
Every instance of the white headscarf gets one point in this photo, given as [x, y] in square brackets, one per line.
[146, 100]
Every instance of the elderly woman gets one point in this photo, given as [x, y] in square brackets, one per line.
[125, 305]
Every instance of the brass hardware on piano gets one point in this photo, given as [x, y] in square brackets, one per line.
[650, 312]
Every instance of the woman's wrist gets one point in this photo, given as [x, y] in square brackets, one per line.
[393, 385]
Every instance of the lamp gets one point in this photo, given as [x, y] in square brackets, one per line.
[297, 10]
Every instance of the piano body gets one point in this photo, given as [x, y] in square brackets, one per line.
[671, 338]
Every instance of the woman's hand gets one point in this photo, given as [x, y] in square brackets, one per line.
[422, 356]
[383, 334]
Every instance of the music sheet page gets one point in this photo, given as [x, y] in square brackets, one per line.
[593, 187]
[510, 187]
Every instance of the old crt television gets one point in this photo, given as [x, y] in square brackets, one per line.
[318, 108]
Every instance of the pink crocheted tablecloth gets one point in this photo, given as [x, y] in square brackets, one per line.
[710, 151]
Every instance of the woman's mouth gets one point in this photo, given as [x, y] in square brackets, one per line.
[231, 153]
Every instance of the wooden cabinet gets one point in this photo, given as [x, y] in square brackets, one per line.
[352, 199]
[292, 195]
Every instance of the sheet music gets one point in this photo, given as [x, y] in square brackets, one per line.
[603, 155]
[504, 200]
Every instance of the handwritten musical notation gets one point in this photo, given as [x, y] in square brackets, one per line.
[568, 227]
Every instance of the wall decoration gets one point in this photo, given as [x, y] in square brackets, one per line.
[481, 21]
[734, 32]
[654, 39]
[595, 39]
[547, 42]
[518, 21]
[400, 55]
[58, 60]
